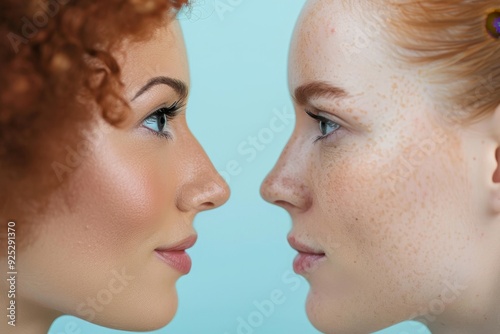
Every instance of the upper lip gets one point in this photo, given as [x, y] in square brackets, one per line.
[180, 245]
[302, 247]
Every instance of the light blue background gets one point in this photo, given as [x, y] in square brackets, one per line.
[238, 68]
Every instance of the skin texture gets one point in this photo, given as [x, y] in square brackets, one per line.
[403, 202]
[131, 193]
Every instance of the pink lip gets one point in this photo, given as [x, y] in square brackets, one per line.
[303, 248]
[176, 256]
[306, 263]
[308, 258]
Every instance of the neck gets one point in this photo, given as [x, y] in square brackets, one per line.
[448, 329]
[487, 323]
[29, 318]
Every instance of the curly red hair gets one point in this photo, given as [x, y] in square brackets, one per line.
[51, 53]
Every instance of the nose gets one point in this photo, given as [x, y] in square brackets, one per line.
[203, 187]
[286, 184]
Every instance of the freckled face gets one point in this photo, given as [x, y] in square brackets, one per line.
[133, 192]
[388, 195]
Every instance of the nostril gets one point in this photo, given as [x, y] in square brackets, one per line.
[283, 204]
[287, 192]
[208, 205]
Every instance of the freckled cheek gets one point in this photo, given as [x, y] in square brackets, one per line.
[344, 204]
[360, 208]
[411, 214]
[367, 234]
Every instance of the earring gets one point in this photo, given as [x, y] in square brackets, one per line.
[493, 24]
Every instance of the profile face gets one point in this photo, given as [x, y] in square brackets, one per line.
[112, 244]
[388, 201]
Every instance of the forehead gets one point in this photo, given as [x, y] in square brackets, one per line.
[163, 54]
[342, 43]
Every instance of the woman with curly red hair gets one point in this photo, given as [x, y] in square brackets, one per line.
[100, 177]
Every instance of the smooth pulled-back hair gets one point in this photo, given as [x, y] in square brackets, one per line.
[449, 43]
[452, 38]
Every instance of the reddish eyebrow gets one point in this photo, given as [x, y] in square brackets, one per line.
[179, 86]
[306, 92]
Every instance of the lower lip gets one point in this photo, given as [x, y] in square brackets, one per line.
[179, 260]
[306, 263]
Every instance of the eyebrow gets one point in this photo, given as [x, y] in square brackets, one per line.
[303, 94]
[179, 86]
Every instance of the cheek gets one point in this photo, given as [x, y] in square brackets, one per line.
[125, 197]
[119, 201]
[397, 213]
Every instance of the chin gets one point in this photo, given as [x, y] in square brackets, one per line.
[141, 316]
[159, 315]
[339, 319]
[321, 315]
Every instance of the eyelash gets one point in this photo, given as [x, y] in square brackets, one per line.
[321, 119]
[170, 112]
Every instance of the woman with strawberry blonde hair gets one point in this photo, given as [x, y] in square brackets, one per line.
[392, 173]
[100, 177]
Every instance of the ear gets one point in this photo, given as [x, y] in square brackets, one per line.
[496, 174]
[495, 155]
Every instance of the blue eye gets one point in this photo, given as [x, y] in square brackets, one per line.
[326, 126]
[158, 120]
